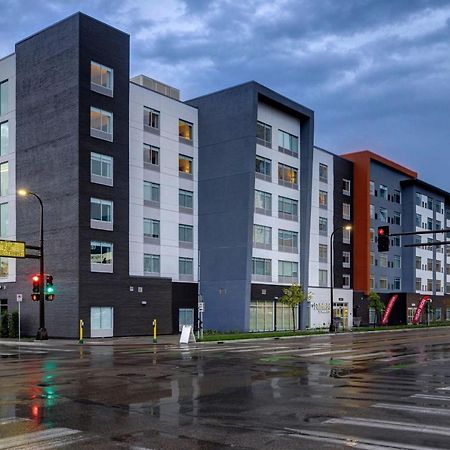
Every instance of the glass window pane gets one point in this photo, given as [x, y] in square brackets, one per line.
[4, 138]
[106, 318]
[4, 179]
[96, 120]
[3, 97]
[96, 76]
[96, 252]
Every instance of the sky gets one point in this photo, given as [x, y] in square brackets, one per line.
[375, 72]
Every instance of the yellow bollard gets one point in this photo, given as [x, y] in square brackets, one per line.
[81, 331]
[154, 331]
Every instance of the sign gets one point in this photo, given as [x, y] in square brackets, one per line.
[187, 335]
[201, 307]
[12, 249]
[419, 309]
[19, 297]
[388, 310]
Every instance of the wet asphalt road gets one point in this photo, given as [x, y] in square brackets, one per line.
[369, 391]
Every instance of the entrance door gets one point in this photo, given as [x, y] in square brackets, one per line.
[341, 311]
[102, 321]
[185, 317]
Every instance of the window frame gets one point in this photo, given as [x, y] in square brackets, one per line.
[283, 178]
[153, 257]
[100, 133]
[266, 129]
[100, 88]
[102, 159]
[101, 224]
[106, 267]
[190, 126]
[190, 162]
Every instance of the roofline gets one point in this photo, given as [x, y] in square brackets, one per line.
[331, 153]
[428, 186]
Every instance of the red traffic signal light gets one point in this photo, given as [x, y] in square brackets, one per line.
[36, 278]
[35, 297]
[36, 284]
[383, 239]
[380, 231]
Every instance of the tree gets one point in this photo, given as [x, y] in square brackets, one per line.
[4, 320]
[376, 304]
[292, 297]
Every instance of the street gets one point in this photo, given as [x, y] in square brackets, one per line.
[388, 390]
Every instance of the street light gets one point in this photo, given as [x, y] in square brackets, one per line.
[42, 332]
[343, 227]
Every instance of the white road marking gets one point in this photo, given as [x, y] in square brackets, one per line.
[413, 409]
[391, 425]
[46, 439]
[270, 350]
[447, 388]
[328, 352]
[295, 350]
[9, 420]
[432, 397]
[351, 441]
[364, 355]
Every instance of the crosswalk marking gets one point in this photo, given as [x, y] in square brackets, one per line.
[447, 388]
[413, 409]
[432, 397]
[9, 420]
[364, 355]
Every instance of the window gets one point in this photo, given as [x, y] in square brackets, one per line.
[429, 264]
[323, 226]
[418, 220]
[287, 176]
[4, 138]
[397, 263]
[418, 262]
[383, 260]
[372, 211]
[4, 179]
[418, 199]
[383, 283]
[346, 259]
[372, 258]
[429, 224]
[287, 241]
[151, 119]
[263, 168]
[185, 165]
[101, 254]
[323, 253]
[263, 203]
[397, 218]
[4, 220]
[397, 198]
[418, 284]
[262, 236]
[372, 188]
[372, 235]
[151, 156]
[438, 313]
[101, 169]
[101, 78]
[186, 235]
[101, 214]
[287, 271]
[185, 131]
[323, 173]
[397, 284]
[346, 186]
[287, 143]
[438, 225]
[383, 215]
[383, 191]
[186, 266]
[151, 264]
[429, 285]
[346, 236]
[438, 285]
[447, 313]
[323, 199]
[101, 124]
[372, 283]
[396, 242]
[287, 208]
[346, 211]
[346, 281]
[4, 268]
[262, 267]
[3, 97]
[264, 134]
[323, 278]
[151, 192]
[186, 199]
[151, 228]
[430, 203]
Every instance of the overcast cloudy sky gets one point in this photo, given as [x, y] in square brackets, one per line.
[376, 72]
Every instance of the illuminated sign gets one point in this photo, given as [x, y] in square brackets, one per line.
[12, 249]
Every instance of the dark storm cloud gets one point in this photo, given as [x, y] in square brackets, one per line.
[376, 72]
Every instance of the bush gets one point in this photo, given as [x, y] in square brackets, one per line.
[4, 320]
[14, 325]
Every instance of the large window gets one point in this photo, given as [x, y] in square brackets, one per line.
[101, 255]
[151, 229]
[323, 226]
[263, 203]
[186, 235]
[346, 211]
[383, 191]
[101, 213]
[346, 259]
[383, 283]
[101, 77]
[397, 263]
[346, 281]
[383, 215]
[186, 266]
[185, 165]
[323, 199]
[372, 188]
[287, 271]
[151, 192]
[151, 264]
[287, 176]
[264, 134]
[4, 267]
[397, 284]
[186, 199]
[4, 179]
[151, 119]
[151, 156]
[287, 241]
[101, 169]
[4, 138]
[185, 131]
[397, 218]
[323, 173]
[287, 143]
[418, 220]
[261, 268]
[4, 220]
[323, 278]
[346, 236]
[287, 208]
[323, 253]
[3, 97]
[346, 186]
[263, 168]
[101, 124]
[262, 236]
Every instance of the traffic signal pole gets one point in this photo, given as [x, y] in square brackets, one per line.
[42, 332]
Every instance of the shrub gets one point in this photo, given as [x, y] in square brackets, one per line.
[4, 320]
[14, 325]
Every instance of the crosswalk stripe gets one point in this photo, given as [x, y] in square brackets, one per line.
[390, 425]
[432, 397]
[412, 408]
[447, 388]
[51, 438]
[328, 352]
[364, 355]
[9, 420]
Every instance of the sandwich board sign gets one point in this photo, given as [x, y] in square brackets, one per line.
[187, 334]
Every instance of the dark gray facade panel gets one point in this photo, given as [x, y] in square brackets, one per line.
[47, 93]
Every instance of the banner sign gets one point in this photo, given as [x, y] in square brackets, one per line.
[12, 249]
[388, 310]
[419, 309]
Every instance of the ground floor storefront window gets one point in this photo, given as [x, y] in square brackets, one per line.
[265, 314]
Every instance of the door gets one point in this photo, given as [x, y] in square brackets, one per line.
[102, 321]
[185, 317]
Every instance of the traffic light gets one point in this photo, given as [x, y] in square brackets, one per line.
[383, 239]
[49, 288]
[35, 296]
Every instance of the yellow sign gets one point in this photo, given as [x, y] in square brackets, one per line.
[12, 249]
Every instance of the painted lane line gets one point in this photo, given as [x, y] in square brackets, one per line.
[296, 350]
[330, 353]
[432, 397]
[447, 388]
[413, 409]
[265, 350]
[364, 355]
[352, 441]
[391, 425]
[9, 420]
[37, 437]
[395, 358]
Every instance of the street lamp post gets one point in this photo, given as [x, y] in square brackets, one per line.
[42, 332]
[332, 328]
